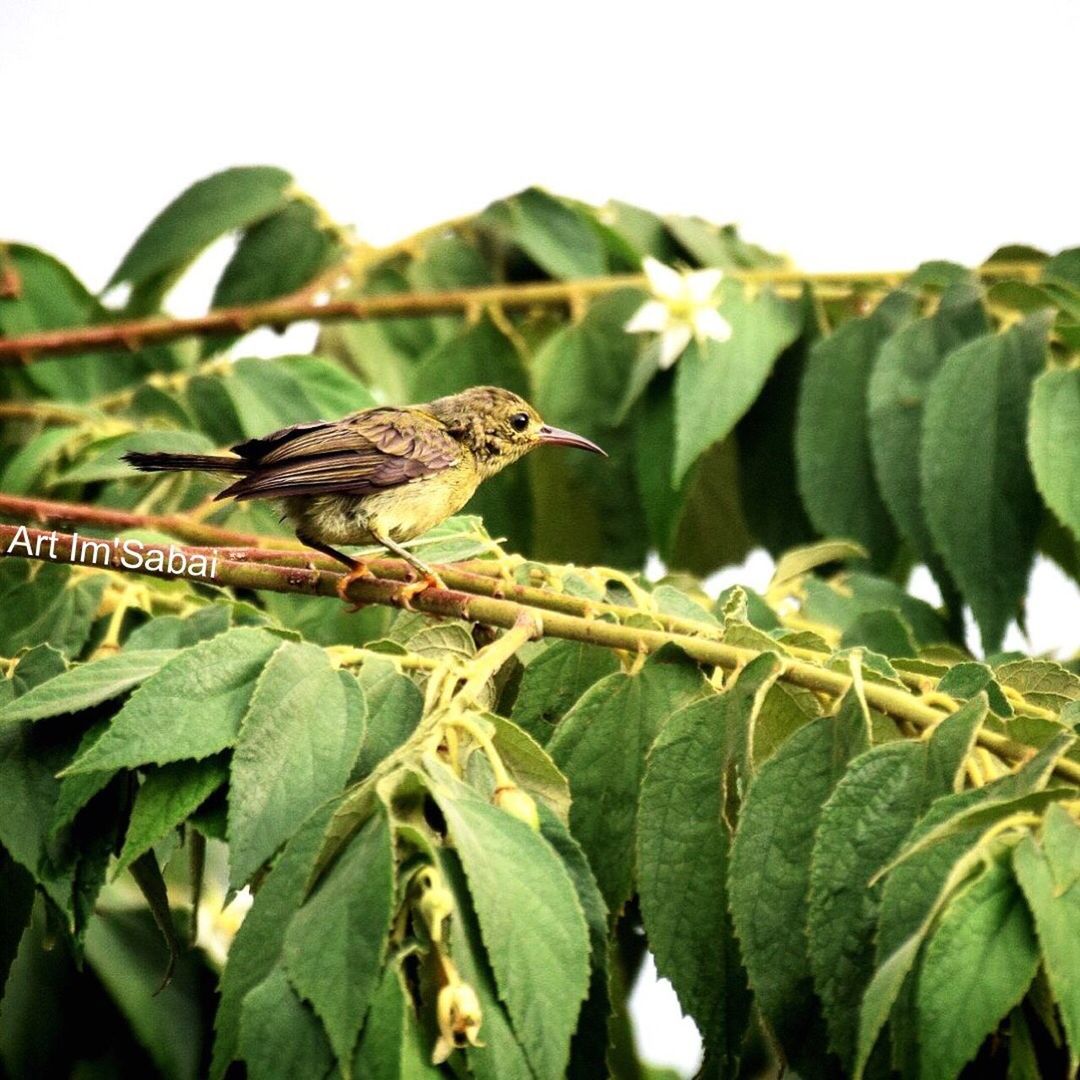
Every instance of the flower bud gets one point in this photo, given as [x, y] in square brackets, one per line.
[517, 803]
[458, 1013]
[434, 901]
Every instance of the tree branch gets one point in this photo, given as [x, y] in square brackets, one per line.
[136, 334]
[504, 614]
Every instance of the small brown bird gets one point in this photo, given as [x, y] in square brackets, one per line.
[382, 475]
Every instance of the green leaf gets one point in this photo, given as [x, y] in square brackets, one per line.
[174, 632]
[1042, 682]
[86, 685]
[552, 681]
[801, 560]
[167, 797]
[832, 438]
[683, 848]
[17, 889]
[586, 508]
[297, 744]
[210, 684]
[50, 607]
[209, 208]
[899, 383]
[481, 355]
[529, 765]
[718, 245]
[124, 950]
[279, 1034]
[1055, 905]
[965, 680]
[530, 919]
[391, 1045]
[977, 966]
[980, 501]
[559, 238]
[588, 1048]
[867, 817]
[716, 382]
[600, 746]
[336, 942]
[394, 706]
[502, 1056]
[257, 946]
[769, 879]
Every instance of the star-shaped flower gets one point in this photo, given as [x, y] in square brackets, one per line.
[683, 307]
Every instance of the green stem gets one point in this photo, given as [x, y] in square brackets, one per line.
[507, 614]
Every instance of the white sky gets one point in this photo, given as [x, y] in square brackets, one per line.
[850, 135]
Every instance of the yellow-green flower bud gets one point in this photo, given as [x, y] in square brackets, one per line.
[458, 1013]
[518, 803]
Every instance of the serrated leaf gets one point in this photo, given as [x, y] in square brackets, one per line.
[769, 877]
[206, 210]
[1042, 682]
[279, 1034]
[394, 707]
[832, 441]
[209, 684]
[86, 685]
[978, 964]
[335, 943]
[297, 744]
[980, 500]
[600, 746]
[966, 679]
[896, 393]
[257, 946]
[884, 632]
[1056, 909]
[391, 1045]
[530, 919]
[530, 766]
[167, 796]
[801, 560]
[554, 680]
[17, 888]
[683, 848]
[716, 382]
[51, 607]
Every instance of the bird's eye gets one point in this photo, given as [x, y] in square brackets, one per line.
[519, 421]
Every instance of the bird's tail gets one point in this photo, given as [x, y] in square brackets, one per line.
[161, 462]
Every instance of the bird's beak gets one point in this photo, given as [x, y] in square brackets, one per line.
[558, 437]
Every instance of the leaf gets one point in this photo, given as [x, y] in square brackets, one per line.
[502, 1056]
[530, 766]
[529, 916]
[1056, 910]
[335, 943]
[167, 797]
[391, 1045]
[17, 888]
[600, 746]
[257, 946]
[769, 877]
[867, 817]
[799, 561]
[552, 681]
[883, 631]
[896, 393]
[559, 238]
[832, 439]
[210, 684]
[209, 208]
[589, 1045]
[86, 685]
[586, 509]
[978, 965]
[50, 607]
[279, 1034]
[1042, 682]
[980, 501]
[716, 382]
[174, 632]
[683, 849]
[481, 355]
[394, 707]
[965, 680]
[124, 950]
[297, 744]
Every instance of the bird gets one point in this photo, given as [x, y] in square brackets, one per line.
[382, 475]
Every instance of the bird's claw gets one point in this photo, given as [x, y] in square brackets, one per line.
[427, 580]
[359, 572]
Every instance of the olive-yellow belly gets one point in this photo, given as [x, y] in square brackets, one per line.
[400, 513]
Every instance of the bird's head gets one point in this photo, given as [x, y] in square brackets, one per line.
[499, 427]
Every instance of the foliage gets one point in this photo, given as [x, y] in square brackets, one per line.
[851, 845]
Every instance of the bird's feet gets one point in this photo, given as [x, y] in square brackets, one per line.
[359, 572]
[428, 579]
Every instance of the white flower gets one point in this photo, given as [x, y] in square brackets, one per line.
[683, 307]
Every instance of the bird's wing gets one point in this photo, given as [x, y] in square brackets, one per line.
[369, 451]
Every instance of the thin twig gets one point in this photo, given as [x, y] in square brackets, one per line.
[134, 334]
